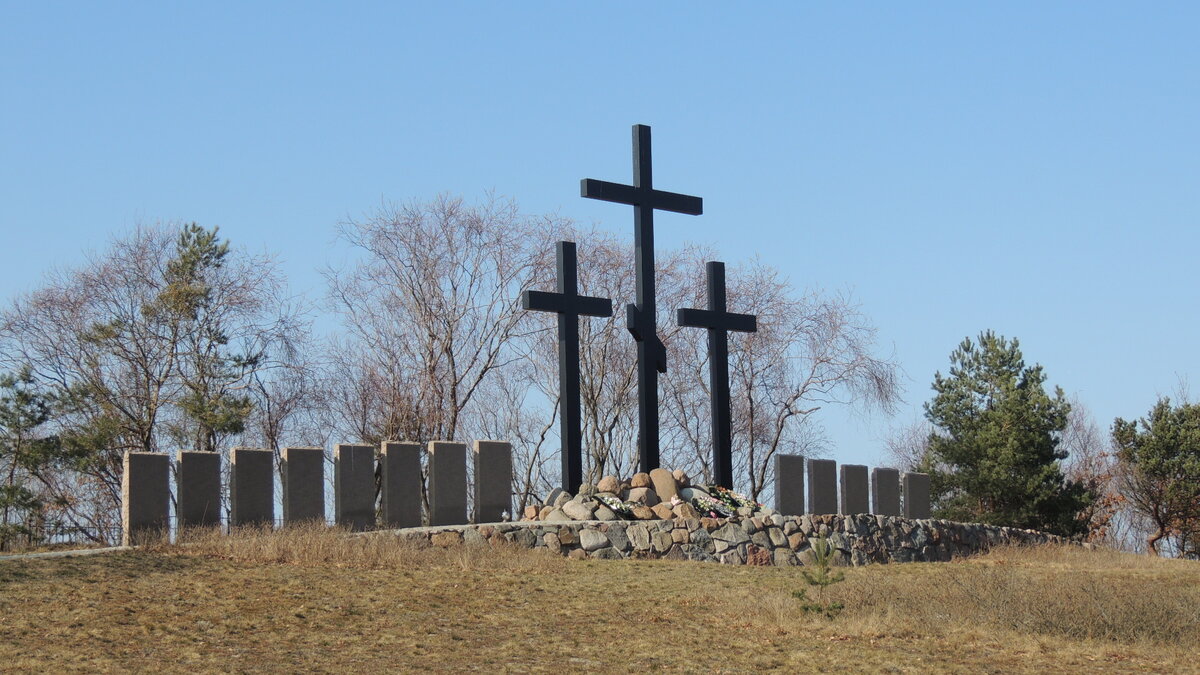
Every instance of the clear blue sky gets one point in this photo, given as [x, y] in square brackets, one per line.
[1026, 167]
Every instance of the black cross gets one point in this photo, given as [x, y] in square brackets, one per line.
[642, 322]
[719, 322]
[569, 305]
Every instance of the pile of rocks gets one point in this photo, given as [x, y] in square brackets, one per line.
[658, 495]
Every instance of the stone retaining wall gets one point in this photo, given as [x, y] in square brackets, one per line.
[762, 540]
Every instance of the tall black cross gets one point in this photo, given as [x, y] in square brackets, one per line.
[642, 323]
[569, 305]
[719, 322]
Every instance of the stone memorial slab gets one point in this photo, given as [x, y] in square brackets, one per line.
[251, 487]
[789, 484]
[493, 481]
[303, 480]
[400, 484]
[885, 492]
[822, 486]
[916, 495]
[852, 479]
[447, 483]
[145, 498]
[198, 488]
[354, 486]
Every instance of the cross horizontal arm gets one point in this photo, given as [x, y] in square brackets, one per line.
[560, 303]
[705, 318]
[627, 194]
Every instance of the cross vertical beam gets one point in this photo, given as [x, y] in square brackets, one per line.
[569, 306]
[641, 317]
[719, 322]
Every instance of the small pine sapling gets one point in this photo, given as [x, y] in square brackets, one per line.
[821, 577]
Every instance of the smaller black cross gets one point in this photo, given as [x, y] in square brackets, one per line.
[569, 305]
[719, 322]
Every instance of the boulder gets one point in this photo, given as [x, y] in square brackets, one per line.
[552, 496]
[661, 541]
[689, 493]
[532, 511]
[606, 553]
[567, 537]
[681, 478]
[663, 511]
[592, 540]
[562, 498]
[580, 510]
[609, 484]
[618, 537]
[640, 480]
[556, 515]
[731, 534]
[643, 512]
[643, 495]
[685, 511]
[577, 554]
[664, 484]
[604, 513]
[639, 537]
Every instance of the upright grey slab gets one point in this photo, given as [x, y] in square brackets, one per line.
[493, 480]
[789, 484]
[303, 480]
[916, 495]
[885, 492]
[852, 479]
[354, 486]
[400, 493]
[198, 488]
[145, 497]
[447, 483]
[251, 487]
[822, 486]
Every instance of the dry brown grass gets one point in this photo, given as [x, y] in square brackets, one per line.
[317, 601]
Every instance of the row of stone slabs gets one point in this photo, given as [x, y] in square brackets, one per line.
[849, 489]
[845, 489]
[146, 493]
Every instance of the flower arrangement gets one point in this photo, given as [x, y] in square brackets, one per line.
[731, 500]
[710, 507]
[622, 509]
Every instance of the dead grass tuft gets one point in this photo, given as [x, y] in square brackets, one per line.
[1035, 592]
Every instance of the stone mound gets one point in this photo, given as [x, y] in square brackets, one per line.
[658, 495]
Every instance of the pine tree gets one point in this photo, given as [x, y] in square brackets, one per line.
[993, 456]
[1160, 472]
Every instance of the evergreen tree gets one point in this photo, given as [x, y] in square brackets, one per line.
[993, 456]
[24, 452]
[1159, 459]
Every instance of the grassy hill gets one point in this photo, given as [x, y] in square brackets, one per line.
[318, 602]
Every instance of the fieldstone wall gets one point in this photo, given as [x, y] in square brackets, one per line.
[765, 539]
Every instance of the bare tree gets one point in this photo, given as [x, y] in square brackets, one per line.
[1091, 462]
[430, 315]
[906, 446]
